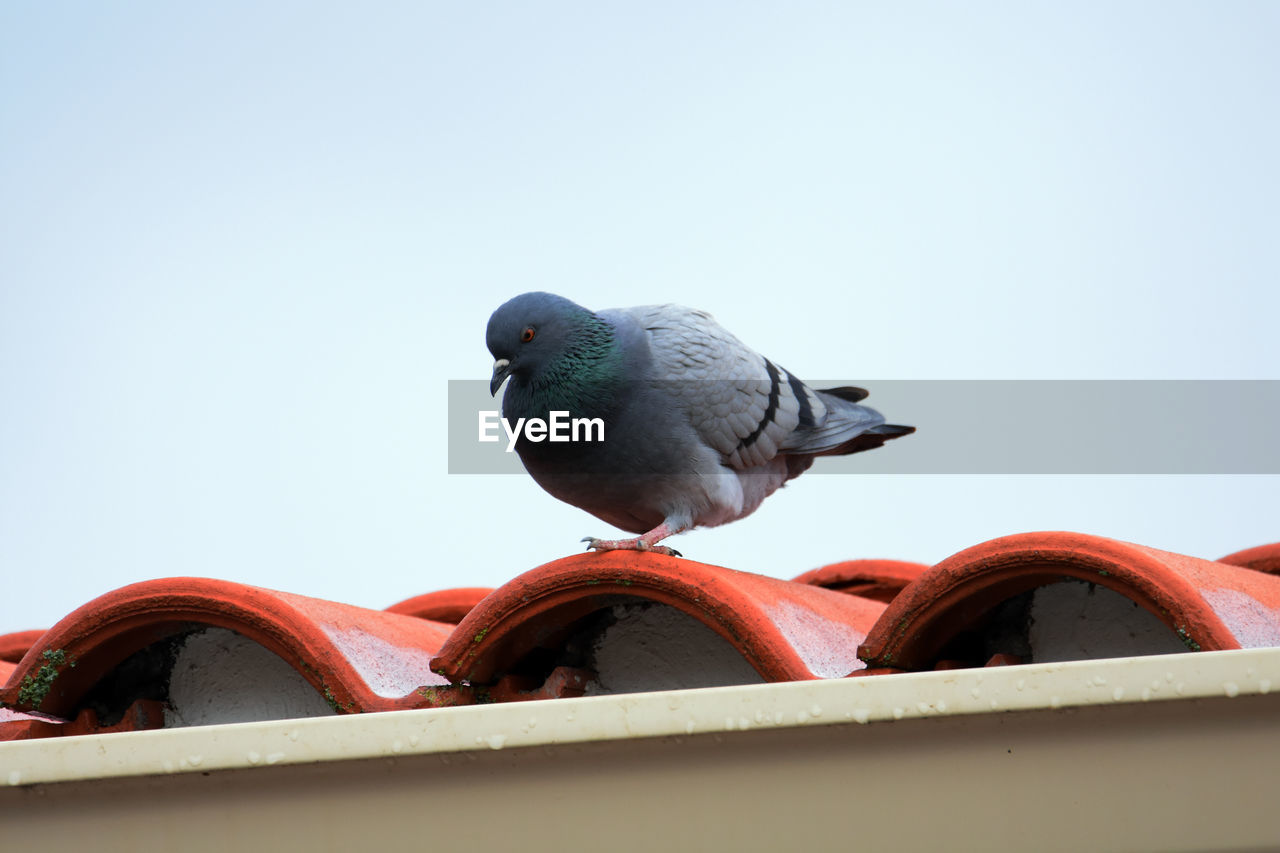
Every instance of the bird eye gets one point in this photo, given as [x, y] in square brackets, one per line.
[527, 334]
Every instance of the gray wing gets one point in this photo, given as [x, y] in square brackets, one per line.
[741, 404]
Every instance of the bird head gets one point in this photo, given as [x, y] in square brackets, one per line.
[530, 332]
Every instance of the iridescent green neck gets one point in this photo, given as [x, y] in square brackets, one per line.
[583, 379]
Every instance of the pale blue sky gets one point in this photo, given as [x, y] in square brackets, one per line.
[244, 247]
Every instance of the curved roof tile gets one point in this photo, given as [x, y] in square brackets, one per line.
[881, 580]
[785, 631]
[14, 645]
[1264, 558]
[358, 659]
[447, 605]
[1208, 605]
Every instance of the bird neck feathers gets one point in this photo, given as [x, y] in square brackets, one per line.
[584, 376]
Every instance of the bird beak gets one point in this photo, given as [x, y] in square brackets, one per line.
[501, 368]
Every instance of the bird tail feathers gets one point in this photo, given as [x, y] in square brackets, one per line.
[869, 440]
[847, 428]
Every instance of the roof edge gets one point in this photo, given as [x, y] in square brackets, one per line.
[885, 699]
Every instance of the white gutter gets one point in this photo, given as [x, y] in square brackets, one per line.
[1119, 710]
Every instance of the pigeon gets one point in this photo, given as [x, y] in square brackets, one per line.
[698, 429]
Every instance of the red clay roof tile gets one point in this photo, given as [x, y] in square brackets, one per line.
[447, 605]
[16, 725]
[143, 715]
[1206, 605]
[785, 631]
[1264, 558]
[358, 659]
[877, 579]
[542, 635]
[14, 645]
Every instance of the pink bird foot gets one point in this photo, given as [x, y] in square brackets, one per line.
[647, 542]
[637, 544]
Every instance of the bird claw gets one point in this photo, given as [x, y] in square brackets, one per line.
[638, 544]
